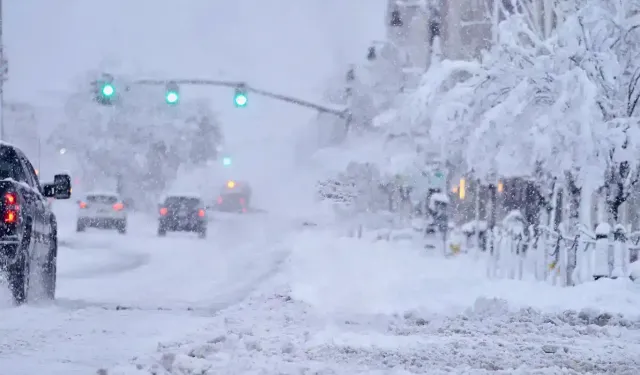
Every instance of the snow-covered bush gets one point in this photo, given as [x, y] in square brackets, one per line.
[357, 189]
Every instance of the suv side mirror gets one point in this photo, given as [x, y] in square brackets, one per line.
[60, 188]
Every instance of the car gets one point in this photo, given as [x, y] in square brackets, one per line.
[234, 196]
[180, 213]
[28, 230]
[102, 210]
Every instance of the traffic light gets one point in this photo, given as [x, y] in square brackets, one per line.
[226, 161]
[240, 97]
[172, 93]
[108, 90]
[104, 90]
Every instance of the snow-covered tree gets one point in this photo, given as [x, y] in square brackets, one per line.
[608, 34]
[561, 105]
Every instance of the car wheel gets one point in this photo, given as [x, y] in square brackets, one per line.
[19, 271]
[81, 226]
[49, 273]
[162, 231]
[122, 227]
[202, 231]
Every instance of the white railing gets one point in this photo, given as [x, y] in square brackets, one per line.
[564, 259]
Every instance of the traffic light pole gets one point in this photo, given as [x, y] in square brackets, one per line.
[269, 94]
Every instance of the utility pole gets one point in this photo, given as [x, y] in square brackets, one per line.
[3, 77]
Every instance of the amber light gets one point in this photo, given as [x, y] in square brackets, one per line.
[118, 206]
[163, 211]
[231, 184]
[201, 212]
[10, 217]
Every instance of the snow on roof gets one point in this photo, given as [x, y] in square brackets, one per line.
[439, 197]
[603, 229]
[470, 227]
[5, 143]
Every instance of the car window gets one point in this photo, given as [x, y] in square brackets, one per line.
[32, 177]
[183, 202]
[104, 199]
[10, 165]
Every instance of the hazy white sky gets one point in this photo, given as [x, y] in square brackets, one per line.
[282, 44]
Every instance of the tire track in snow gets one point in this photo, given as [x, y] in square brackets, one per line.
[118, 260]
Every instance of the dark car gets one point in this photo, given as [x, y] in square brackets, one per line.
[28, 230]
[235, 196]
[182, 214]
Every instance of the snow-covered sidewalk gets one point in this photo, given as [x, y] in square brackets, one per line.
[346, 306]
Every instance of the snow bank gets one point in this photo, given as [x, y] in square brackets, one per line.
[343, 306]
[351, 276]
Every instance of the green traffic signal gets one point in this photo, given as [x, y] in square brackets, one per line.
[240, 99]
[172, 97]
[108, 90]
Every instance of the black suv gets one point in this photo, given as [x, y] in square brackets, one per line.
[182, 214]
[28, 227]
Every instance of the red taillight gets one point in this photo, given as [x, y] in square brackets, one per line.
[10, 199]
[118, 206]
[201, 212]
[163, 211]
[11, 208]
[219, 200]
[10, 216]
[242, 201]
[83, 205]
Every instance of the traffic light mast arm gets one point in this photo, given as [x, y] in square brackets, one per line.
[209, 82]
[299, 102]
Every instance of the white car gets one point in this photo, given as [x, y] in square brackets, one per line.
[102, 210]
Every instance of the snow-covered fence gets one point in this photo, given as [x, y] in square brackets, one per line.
[564, 258]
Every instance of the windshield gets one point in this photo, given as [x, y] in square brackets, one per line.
[105, 199]
[183, 202]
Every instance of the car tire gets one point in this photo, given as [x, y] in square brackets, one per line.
[49, 272]
[162, 231]
[122, 227]
[19, 271]
[81, 226]
[202, 233]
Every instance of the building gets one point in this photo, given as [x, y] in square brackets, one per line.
[470, 26]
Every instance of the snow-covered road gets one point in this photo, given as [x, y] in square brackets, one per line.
[118, 296]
